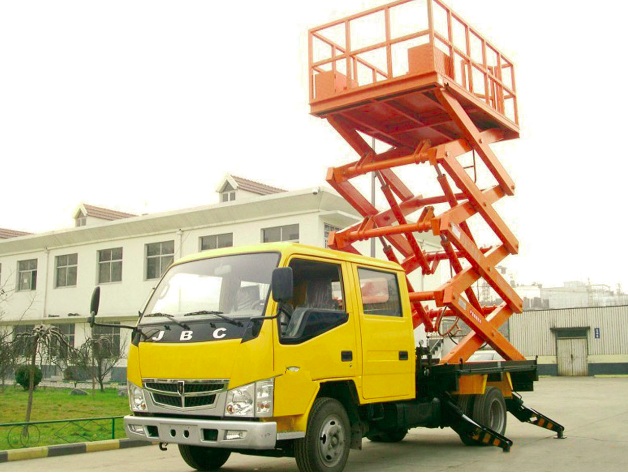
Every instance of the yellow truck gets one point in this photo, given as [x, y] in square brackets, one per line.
[290, 350]
[285, 349]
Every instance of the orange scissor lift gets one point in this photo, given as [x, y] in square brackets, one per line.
[415, 76]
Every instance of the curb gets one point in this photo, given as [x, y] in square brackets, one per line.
[75, 448]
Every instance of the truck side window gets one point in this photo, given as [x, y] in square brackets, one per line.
[317, 284]
[380, 292]
[318, 303]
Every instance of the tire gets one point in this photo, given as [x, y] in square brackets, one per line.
[488, 409]
[327, 441]
[202, 458]
[389, 436]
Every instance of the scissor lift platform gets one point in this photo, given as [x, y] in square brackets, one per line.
[414, 75]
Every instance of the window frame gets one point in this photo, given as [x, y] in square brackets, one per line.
[228, 196]
[215, 238]
[328, 229]
[112, 333]
[68, 331]
[111, 263]
[32, 278]
[282, 229]
[164, 259]
[314, 320]
[67, 273]
[396, 291]
[23, 349]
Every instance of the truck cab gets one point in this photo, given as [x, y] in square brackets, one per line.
[240, 349]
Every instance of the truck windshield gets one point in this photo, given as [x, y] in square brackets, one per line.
[225, 287]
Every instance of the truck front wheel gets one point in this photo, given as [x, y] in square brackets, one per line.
[327, 440]
[204, 459]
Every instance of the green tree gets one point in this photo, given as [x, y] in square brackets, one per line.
[34, 342]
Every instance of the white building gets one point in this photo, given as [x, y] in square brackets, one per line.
[48, 278]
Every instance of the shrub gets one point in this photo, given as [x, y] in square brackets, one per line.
[22, 375]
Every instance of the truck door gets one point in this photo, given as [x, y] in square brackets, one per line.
[319, 335]
[387, 336]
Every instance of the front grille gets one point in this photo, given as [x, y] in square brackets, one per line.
[190, 387]
[185, 393]
[184, 402]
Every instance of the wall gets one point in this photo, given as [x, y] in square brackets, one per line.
[603, 329]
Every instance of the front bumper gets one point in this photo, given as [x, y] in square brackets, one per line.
[210, 433]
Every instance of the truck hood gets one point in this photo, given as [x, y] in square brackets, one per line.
[199, 360]
[218, 353]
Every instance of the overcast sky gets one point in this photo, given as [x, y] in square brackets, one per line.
[143, 106]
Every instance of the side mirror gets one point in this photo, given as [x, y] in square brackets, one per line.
[93, 311]
[93, 307]
[282, 284]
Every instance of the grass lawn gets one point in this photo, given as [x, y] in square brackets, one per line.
[58, 404]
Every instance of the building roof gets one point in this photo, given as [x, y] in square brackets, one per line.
[247, 185]
[327, 202]
[9, 234]
[88, 210]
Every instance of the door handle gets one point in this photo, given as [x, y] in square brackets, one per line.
[346, 356]
[403, 355]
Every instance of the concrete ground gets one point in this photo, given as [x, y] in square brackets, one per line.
[594, 412]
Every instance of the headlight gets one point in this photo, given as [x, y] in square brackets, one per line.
[240, 401]
[252, 400]
[137, 402]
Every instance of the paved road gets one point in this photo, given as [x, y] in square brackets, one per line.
[593, 410]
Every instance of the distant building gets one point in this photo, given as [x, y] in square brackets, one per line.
[573, 294]
[48, 278]
[577, 294]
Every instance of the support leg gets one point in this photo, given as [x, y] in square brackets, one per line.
[528, 415]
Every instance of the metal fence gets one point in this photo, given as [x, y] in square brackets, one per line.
[48, 433]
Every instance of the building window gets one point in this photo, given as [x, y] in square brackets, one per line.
[27, 275]
[219, 241]
[66, 266]
[328, 230]
[284, 233]
[23, 340]
[109, 337]
[59, 348]
[158, 257]
[228, 193]
[380, 292]
[110, 265]
[228, 196]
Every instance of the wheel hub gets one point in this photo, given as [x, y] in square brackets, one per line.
[332, 440]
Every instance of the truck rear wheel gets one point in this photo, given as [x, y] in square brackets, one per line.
[327, 440]
[488, 409]
[202, 458]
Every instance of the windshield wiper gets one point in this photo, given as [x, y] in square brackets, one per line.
[215, 313]
[170, 318]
